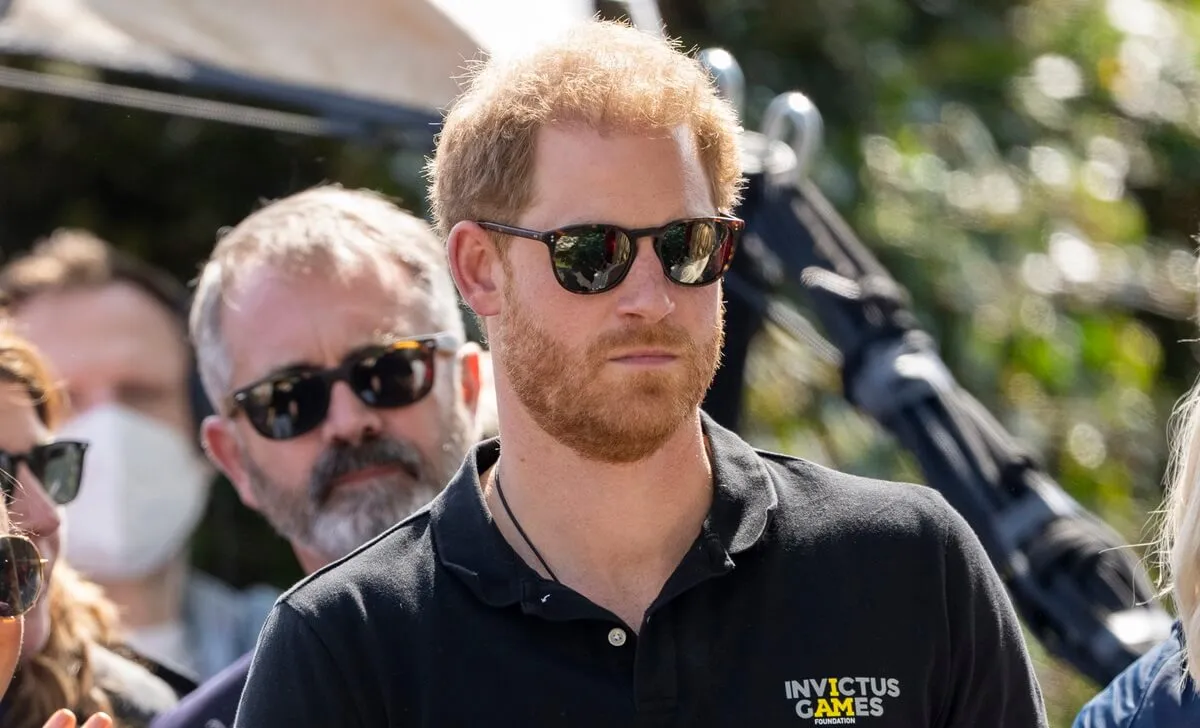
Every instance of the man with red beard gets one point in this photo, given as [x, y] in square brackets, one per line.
[616, 558]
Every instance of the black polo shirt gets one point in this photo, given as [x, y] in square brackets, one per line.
[810, 597]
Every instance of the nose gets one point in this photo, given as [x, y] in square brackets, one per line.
[349, 421]
[31, 509]
[646, 293]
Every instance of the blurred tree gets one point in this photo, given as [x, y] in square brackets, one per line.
[1028, 171]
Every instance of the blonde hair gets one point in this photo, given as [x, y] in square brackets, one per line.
[344, 232]
[606, 75]
[60, 675]
[21, 364]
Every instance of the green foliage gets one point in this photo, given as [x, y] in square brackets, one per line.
[1028, 172]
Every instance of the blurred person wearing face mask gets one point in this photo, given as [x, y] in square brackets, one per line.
[114, 332]
[71, 655]
[330, 340]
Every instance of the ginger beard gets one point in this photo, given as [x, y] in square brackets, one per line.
[584, 402]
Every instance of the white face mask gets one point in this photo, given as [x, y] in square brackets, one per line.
[143, 492]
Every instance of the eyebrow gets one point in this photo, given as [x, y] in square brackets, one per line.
[285, 370]
[379, 338]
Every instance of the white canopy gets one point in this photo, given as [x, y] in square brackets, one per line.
[401, 52]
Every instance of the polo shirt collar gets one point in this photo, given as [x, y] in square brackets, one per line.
[469, 545]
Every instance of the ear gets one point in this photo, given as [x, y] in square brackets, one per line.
[470, 360]
[475, 265]
[223, 450]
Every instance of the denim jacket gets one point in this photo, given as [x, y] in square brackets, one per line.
[222, 623]
[1153, 692]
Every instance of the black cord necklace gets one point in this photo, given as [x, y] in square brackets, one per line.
[515, 522]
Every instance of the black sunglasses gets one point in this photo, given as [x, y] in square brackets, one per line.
[290, 404]
[58, 465]
[595, 258]
[22, 571]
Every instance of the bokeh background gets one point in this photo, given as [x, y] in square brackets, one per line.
[1027, 170]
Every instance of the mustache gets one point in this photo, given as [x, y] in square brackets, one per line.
[342, 460]
[663, 335]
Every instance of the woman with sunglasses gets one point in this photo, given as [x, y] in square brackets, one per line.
[22, 569]
[68, 658]
[20, 586]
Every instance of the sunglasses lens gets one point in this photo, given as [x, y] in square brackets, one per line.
[395, 378]
[59, 465]
[696, 252]
[293, 405]
[288, 407]
[591, 258]
[20, 576]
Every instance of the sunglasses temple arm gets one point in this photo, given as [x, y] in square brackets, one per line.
[447, 341]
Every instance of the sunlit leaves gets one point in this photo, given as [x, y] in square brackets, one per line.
[1031, 173]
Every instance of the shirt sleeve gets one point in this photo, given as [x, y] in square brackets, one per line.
[991, 682]
[213, 704]
[294, 679]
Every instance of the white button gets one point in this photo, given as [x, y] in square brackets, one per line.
[616, 637]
